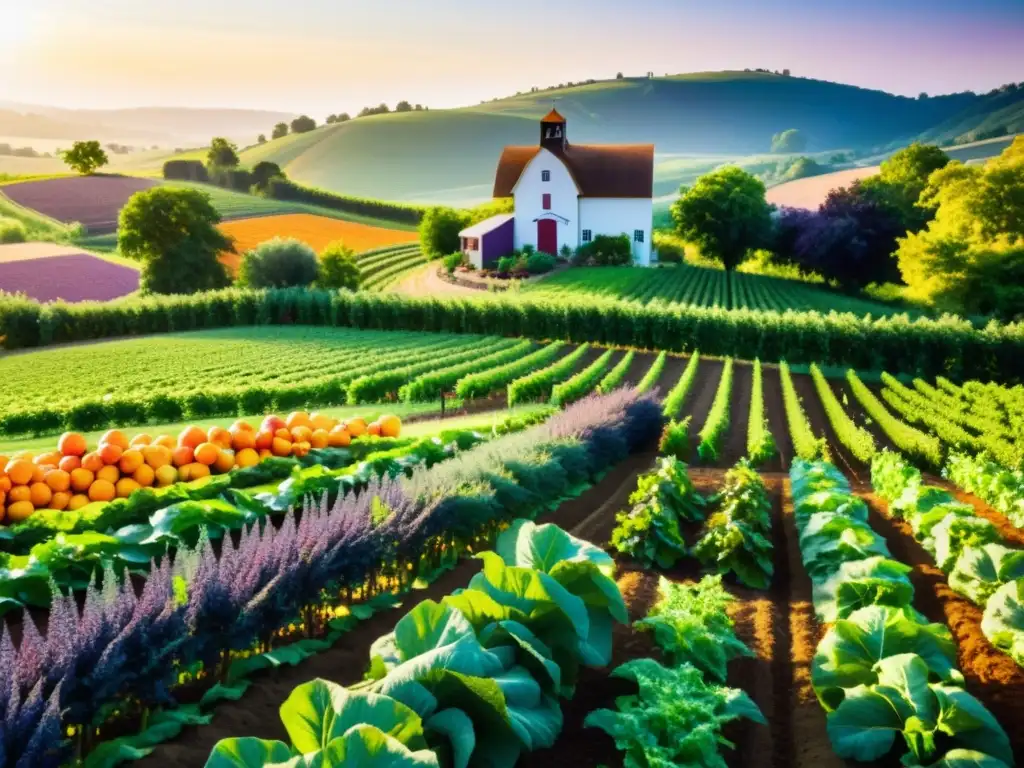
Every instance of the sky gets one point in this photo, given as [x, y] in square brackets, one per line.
[324, 56]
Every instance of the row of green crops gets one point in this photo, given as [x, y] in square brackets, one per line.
[857, 440]
[433, 384]
[717, 425]
[881, 670]
[914, 442]
[617, 375]
[538, 385]
[384, 266]
[1000, 487]
[965, 546]
[206, 609]
[494, 380]
[947, 346]
[582, 383]
[472, 679]
[653, 373]
[676, 397]
[760, 442]
[805, 445]
[677, 716]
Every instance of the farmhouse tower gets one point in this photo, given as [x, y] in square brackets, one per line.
[552, 132]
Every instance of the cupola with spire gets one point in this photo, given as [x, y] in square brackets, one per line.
[552, 132]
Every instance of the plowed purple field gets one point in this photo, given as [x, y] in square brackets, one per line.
[95, 201]
[73, 277]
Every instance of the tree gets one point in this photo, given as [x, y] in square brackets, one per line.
[903, 177]
[303, 124]
[403, 106]
[279, 263]
[970, 257]
[263, 172]
[85, 157]
[439, 230]
[280, 131]
[343, 118]
[173, 232]
[222, 154]
[618, 75]
[785, 73]
[331, 119]
[261, 139]
[725, 213]
[338, 268]
[792, 140]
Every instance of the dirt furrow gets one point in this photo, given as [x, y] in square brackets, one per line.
[735, 444]
[776, 412]
[702, 395]
[820, 424]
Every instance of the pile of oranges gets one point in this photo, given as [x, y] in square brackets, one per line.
[72, 476]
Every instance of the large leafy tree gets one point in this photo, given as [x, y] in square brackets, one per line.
[303, 124]
[279, 263]
[439, 230]
[174, 233]
[970, 258]
[222, 154]
[85, 157]
[338, 268]
[903, 178]
[725, 213]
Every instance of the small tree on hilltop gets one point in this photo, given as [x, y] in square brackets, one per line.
[173, 232]
[303, 124]
[222, 154]
[403, 106]
[279, 263]
[263, 172]
[85, 157]
[261, 139]
[280, 131]
[725, 214]
[439, 230]
[338, 268]
[792, 140]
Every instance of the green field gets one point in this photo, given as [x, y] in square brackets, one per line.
[699, 286]
[381, 267]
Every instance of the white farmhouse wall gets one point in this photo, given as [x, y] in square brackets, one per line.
[620, 215]
[528, 194]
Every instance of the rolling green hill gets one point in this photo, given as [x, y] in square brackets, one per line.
[697, 121]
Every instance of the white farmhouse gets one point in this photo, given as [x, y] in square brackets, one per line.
[565, 194]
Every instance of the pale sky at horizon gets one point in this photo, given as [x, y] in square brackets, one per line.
[321, 56]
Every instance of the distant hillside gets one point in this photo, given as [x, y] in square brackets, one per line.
[167, 126]
[992, 115]
[696, 121]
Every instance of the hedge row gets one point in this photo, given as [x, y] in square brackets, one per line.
[949, 347]
[283, 189]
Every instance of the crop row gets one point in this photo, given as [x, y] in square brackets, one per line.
[676, 396]
[582, 383]
[435, 383]
[617, 375]
[964, 545]
[881, 671]
[912, 441]
[760, 443]
[206, 609]
[857, 440]
[924, 347]
[488, 382]
[1000, 487]
[653, 373]
[717, 424]
[805, 445]
[538, 385]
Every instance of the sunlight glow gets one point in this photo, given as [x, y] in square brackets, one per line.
[15, 25]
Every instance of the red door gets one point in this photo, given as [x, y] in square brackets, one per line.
[547, 236]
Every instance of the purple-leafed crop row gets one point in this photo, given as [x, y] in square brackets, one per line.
[95, 201]
[124, 651]
[73, 278]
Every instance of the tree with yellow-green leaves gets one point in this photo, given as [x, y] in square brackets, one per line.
[970, 257]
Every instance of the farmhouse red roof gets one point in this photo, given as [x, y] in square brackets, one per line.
[599, 170]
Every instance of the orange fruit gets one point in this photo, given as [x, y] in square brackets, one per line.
[110, 453]
[207, 453]
[78, 501]
[5, 483]
[225, 461]
[40, 495]
[102, 490]
[125, 487]
[273, 423]
[110, 473]
[92, 461]
[115, 437]
[319, 438]
[192, 437]
[390, 426]
[241, 426]
[297, 419]
[19, 510]
[301, 434]
[182, 455]
[167, 441]
[26, 455]
[339, 437]
[3, 462]
[265, 453]
[53, 457]
[60, 500]
[72, 444]
[19, 493]
[242, 439]
[281, 447]
[131, 460]
[219, 437]
[264, 439]
[140, 440]
[283, 434]
[300, 449]
[81, 479]
[197, 470]
[39, 472]
[166, 475]
[321, 421]
[356, 426]
[247, 457]
[58, 480]
[20, 471]
[373, 429]
[157, 456]
[70, 463]
[144, 475]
